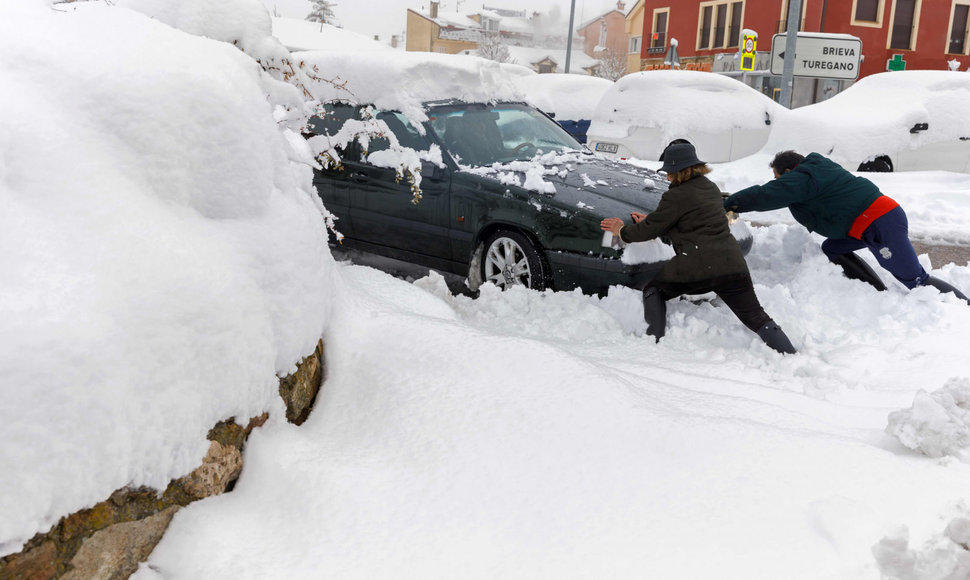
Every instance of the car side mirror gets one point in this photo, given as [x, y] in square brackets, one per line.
[919, 127]
[430, 170]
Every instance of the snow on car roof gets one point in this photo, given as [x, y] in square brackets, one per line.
[675, 100]
[402, 81]
[569, 96]
[876, 114]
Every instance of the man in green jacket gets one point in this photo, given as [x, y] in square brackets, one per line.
[848, 210]
[707, 258]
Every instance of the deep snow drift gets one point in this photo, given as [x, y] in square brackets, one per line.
[163, 256]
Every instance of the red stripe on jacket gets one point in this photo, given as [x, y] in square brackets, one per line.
[883, 205]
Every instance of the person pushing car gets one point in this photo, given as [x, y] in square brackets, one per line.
[848, 210]
[707, 257]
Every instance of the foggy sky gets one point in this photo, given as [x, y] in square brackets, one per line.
[388, 17]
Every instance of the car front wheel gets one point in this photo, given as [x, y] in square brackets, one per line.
[512, 259]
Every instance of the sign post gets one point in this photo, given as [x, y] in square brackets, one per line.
[832, 56]
[788, 62]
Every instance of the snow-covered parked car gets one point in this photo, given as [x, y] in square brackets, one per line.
[892, 121]
[644, 112]
[506, 195]
[570, 99]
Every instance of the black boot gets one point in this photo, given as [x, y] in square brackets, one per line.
[856, 269]
[776, 338]
[944, 287]
[655, 312]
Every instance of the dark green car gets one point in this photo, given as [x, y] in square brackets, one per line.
[517, 201]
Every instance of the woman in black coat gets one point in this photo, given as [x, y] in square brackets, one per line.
[707, 257]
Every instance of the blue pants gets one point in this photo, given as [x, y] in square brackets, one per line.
[888, 239]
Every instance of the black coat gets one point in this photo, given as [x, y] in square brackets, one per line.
[691, 215]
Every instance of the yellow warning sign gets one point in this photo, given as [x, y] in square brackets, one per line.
[749, 46]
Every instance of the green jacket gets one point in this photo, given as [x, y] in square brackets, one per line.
[692, 215]
[820, 194]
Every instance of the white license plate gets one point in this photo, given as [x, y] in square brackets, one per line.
[606, 147]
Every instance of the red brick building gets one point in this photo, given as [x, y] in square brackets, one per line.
[606, 32]
[923, 34]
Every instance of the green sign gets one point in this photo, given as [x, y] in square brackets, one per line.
[896, 63]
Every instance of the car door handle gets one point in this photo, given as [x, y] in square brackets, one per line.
[360, 177]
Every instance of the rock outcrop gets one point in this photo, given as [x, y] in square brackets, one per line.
[109, 540]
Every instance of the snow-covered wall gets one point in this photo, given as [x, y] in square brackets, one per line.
[164, 254]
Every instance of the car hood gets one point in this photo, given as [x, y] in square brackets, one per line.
[604, 186]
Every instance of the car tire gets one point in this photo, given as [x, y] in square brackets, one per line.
[880, 164]
[510, 259]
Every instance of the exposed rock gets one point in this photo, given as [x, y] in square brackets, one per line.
[110, 539]
[115, 552]
[39, 563]
[221, 466]
[299, 390]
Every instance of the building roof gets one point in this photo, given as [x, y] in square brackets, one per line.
[578, 62]
[296, 34]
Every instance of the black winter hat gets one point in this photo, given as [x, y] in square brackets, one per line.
[678, 156]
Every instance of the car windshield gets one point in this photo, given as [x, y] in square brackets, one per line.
[485, 134]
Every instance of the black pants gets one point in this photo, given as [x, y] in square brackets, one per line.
[736, 290]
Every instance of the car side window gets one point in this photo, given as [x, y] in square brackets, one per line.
[331, 122]
[407, 134]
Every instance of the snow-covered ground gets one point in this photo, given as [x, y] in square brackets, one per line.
[516, 435]
[538, 435]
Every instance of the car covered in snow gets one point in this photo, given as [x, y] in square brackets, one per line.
[570, 99]
[644, 112]
[504, 194]
[893, 121]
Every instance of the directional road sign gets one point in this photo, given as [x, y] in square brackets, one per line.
[831, 56]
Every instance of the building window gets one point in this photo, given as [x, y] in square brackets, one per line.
[783, 22]
[867, 13]
[958, 29]
[602, 41]
[720, 24]
[659, 37]
[734, 33]
[704, 38]
[635, 45]
[867, 10]
[904, 20]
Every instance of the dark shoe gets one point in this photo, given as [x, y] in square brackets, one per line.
[655, 312]
[856, 269]
[944, 287]
[776, 338]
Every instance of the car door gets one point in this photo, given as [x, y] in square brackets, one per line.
[385, 212]
[332, 182]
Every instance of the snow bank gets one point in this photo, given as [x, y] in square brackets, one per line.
[164, 254]
[946, 556]
[937, 424]
[570, 97]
